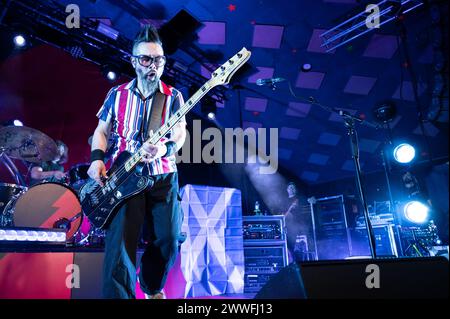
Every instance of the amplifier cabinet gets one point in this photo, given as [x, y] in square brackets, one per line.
[265, 259]
[262, 262]
[265, 249]
[332, 238]
[386, 239]
[257, 228]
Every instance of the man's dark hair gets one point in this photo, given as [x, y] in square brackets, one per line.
[292, 183]
[148, 33]
[65, 156]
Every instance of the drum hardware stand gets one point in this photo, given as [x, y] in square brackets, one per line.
[11, 167]
[64, 223]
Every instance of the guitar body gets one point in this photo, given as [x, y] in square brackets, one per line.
[100, 204]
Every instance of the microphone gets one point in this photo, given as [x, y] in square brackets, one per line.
[270, 81]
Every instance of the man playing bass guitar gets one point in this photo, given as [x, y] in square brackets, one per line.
[132, 111]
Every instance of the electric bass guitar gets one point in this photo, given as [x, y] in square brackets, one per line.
[125, 177]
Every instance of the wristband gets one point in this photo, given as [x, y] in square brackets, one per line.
[97, 155]
[171, 148]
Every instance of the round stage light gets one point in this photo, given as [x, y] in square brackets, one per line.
[111, 75]
[19, 41]
[404, 153]
[416, 212]
[17, 123]
[211, 115]
[306, 67]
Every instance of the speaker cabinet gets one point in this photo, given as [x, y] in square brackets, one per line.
[362, 279]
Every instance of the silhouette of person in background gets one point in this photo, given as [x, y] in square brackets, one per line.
[297, 223]
[51, 171]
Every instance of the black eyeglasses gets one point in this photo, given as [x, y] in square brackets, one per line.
[146, 60]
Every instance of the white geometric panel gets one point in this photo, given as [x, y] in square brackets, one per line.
[212, 257]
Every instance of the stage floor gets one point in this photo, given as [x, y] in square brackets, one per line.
[46, 272]
[76, 273]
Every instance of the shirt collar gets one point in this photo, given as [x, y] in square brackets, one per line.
[163, 87]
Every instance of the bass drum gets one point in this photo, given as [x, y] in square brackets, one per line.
[47, 205]
[7, 193]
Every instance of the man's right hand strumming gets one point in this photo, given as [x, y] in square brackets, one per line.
[97, 170]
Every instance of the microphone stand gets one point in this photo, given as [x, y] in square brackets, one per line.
[349, 122]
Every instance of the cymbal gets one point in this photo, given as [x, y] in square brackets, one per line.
[27, 144]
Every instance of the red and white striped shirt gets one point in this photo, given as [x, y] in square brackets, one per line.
[126, 109]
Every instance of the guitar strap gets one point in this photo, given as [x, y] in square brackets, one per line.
[154, 120]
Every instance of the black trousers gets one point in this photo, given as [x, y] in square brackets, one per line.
[158, 209]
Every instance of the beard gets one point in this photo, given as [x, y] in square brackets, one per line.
[149, 83]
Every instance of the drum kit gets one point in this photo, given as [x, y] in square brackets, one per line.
[47, 204]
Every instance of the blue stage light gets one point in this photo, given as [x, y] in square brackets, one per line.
[19, 41]
[416, 212]
[404, 153]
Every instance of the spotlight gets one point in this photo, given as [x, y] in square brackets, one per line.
[19, 41]
[416, 212]
[111, 75]
[209, 108]
[385, 111]
[17, 123]
[110, 71]
[306, 67]
[404, 153]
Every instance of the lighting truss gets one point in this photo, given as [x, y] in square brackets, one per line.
[45, 21]
[355, 26]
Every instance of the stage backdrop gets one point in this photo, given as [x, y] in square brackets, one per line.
[49, 90]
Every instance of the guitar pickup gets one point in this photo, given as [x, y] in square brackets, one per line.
[94, 200]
